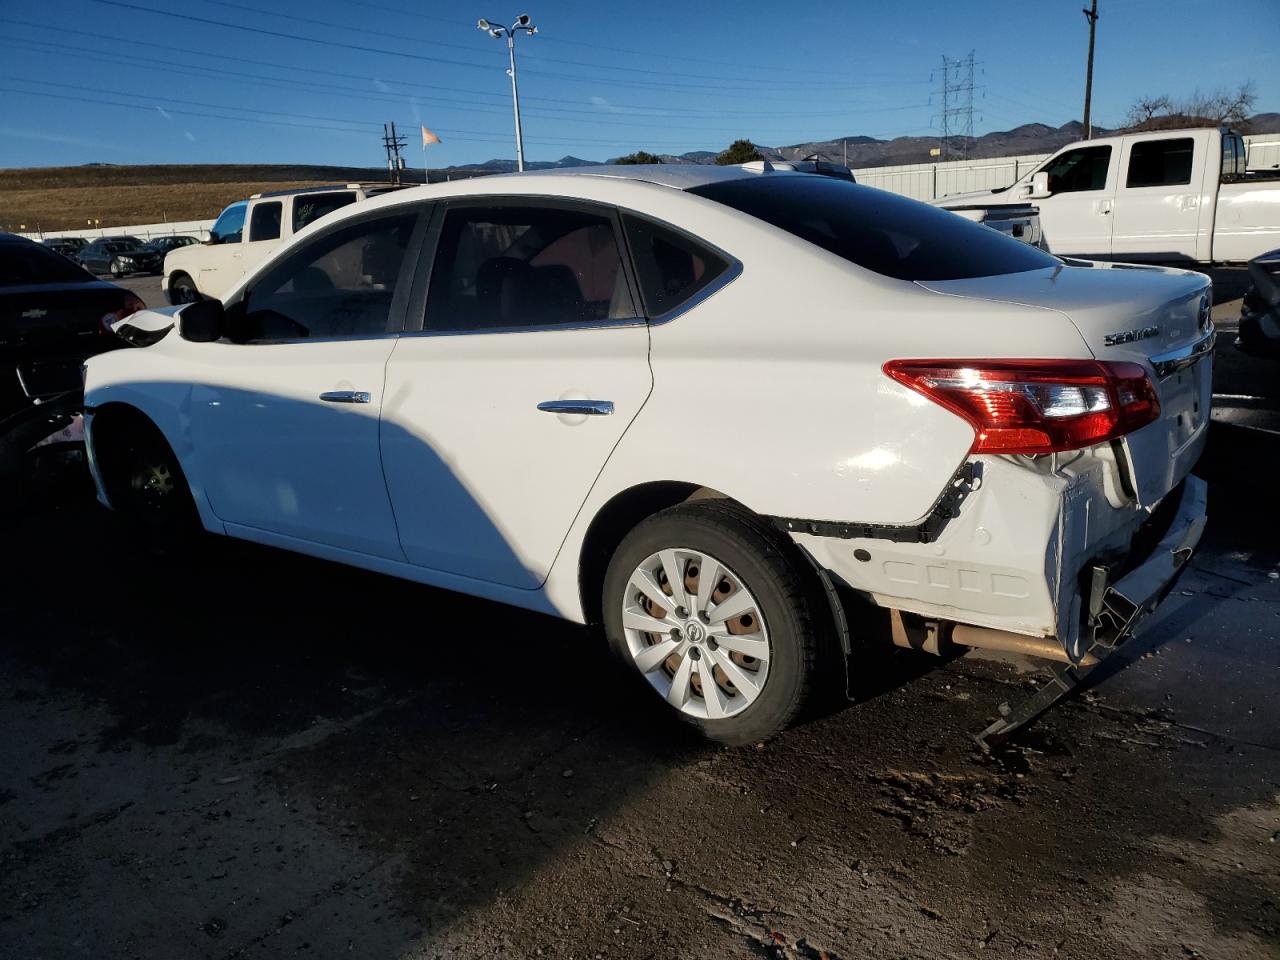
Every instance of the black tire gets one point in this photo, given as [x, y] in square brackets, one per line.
[148, 489]
[182, 289]
[115, 269]
[768, 565]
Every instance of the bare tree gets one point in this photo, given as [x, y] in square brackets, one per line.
[1218, 108]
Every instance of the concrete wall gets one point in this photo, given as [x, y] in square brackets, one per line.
[143, 231]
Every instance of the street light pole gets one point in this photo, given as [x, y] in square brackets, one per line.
[498, 31]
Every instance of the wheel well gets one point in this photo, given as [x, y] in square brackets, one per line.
[112, 422]
[614, 521]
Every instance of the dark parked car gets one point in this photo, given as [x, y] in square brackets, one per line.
[163, 245]
[69, 247]
[119, 256]
[1260, 310]
[53, 314]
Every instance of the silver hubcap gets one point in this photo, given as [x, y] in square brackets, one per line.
[696, 633]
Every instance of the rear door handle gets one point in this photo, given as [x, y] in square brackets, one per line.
[345, 396]
[592, 408]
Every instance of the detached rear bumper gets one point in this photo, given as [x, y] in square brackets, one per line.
[1116, 609]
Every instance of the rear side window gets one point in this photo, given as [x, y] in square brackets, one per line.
[879, 231]
[1160, 163]
[508, 267]
[671, 267]
[310, 207]
[1079, 170]
[265, 223]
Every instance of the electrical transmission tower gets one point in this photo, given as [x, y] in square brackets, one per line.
[957, 106]
[393, 144]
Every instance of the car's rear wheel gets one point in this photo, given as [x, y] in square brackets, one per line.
[182, 289]
[714, 610]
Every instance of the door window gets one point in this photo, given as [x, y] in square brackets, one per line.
[511, 267]
[339, 285]
[671, 267]
[1079, 170]
[310, 207]
[1160, 163]
[230, 225]
[265, 222]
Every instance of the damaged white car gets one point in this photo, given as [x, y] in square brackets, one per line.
[711, 408]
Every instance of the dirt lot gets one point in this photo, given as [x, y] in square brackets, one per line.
[256, 754]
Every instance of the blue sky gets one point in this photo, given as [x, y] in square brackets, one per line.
[225, 81]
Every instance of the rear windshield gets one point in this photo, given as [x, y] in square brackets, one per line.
[883, 232]
[22, 264]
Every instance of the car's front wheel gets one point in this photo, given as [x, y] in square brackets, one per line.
[148, 489]
[116, 269]
[715, 611]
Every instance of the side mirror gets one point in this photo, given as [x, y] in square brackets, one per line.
[201, 322]
[1039, 188]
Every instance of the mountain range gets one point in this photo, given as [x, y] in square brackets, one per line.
[1030, 138]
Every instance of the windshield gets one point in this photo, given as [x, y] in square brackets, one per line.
[882, 232]
[22, 264]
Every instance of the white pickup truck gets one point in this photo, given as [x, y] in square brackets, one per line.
[213, 268]
[1170, 196]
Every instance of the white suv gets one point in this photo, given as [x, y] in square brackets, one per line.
[246, 233]
[711, 408]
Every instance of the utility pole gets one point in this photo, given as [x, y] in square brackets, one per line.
[393, 143]
[1092, 16]
[498, 31]
[957, 104]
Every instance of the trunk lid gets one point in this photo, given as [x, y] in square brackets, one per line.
[1153, 316]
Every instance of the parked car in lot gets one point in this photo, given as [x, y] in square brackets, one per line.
[1259, 332]
[53, 314]
[1169, 196]
[69, 247]
[163, 245]
[712, 408]
[246, 233]
[120, 256]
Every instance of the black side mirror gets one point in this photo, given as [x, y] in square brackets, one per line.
[202, 321]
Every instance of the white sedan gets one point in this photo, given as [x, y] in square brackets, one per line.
[718, 410]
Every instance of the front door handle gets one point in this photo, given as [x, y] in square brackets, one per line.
[345, 396]
[592, 408]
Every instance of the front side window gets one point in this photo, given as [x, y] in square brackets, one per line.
[310, 207]
[265, 222]
[504, 267]
[339, 285]
[1160, 163]
[1079, 170]
[671, 267]
[230, 225]
[879, 231]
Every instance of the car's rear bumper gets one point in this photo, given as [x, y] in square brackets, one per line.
[1045, 553]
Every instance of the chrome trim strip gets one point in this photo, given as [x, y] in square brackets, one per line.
[715, 286]
[592, 408]
[1167, 364]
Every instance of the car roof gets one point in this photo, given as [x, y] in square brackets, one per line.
[681, 176]
[14, 238]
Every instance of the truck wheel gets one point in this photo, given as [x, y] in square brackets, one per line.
[182, 289]
[716, 612]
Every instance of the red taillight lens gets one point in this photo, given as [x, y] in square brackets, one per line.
[132, 304]
[1036, 406]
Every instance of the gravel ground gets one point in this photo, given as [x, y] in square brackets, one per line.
[257, 754]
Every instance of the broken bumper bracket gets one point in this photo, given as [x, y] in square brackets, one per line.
[1125, 604]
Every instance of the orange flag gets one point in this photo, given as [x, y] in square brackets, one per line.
[428, 137]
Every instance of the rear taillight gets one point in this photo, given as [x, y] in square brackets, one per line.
[1036, 406]
[132, 304]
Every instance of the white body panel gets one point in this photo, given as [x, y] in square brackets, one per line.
[1204, 220]
[451, 476]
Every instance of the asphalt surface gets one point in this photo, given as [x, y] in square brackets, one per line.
[257, 754]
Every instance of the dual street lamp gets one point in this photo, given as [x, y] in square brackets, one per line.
[498, 31]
